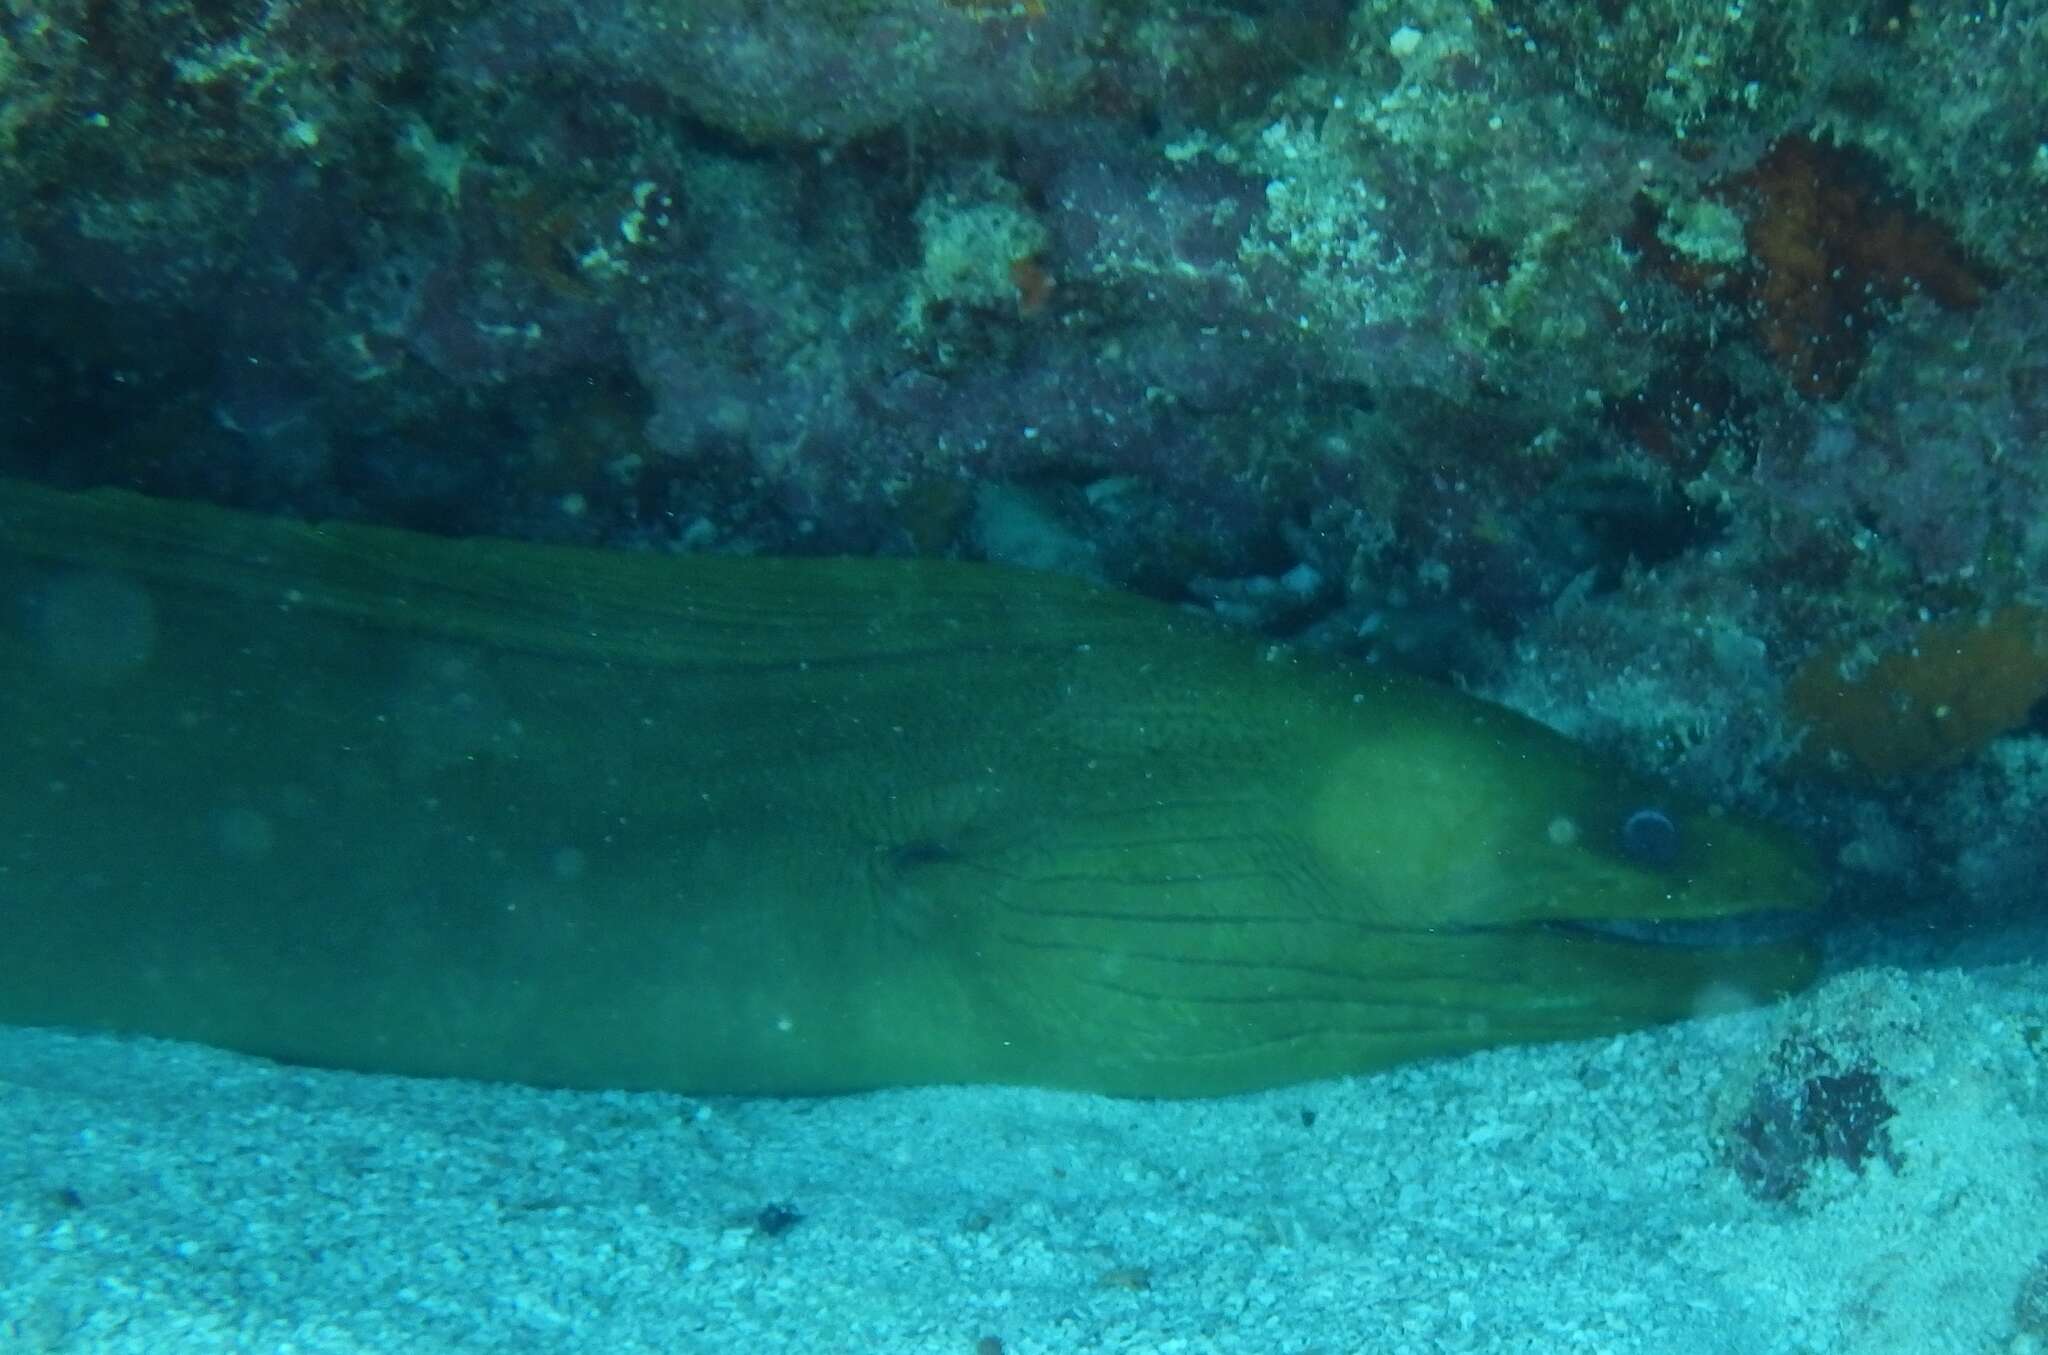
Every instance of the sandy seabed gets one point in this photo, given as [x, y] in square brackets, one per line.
[164, 1198]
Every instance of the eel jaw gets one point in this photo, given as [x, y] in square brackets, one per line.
[1727, 931]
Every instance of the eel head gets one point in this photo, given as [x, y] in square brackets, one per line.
[1575, 896]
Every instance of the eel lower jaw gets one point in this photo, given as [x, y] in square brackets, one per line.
[1762, 927]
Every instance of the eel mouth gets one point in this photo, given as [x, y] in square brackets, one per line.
[1763, 927]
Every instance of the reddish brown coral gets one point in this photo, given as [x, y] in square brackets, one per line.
[1828, 242]
[1959, 686]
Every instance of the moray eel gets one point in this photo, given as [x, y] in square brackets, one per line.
[356, 797]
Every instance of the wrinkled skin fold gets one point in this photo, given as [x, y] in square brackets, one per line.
[357, 797]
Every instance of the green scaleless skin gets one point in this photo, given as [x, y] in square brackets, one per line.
[356, 797]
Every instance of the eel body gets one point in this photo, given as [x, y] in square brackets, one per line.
[363, 798]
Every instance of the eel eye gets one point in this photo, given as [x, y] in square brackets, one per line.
[1650, 838]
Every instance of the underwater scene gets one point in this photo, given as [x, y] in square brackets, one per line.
[1023, 677]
